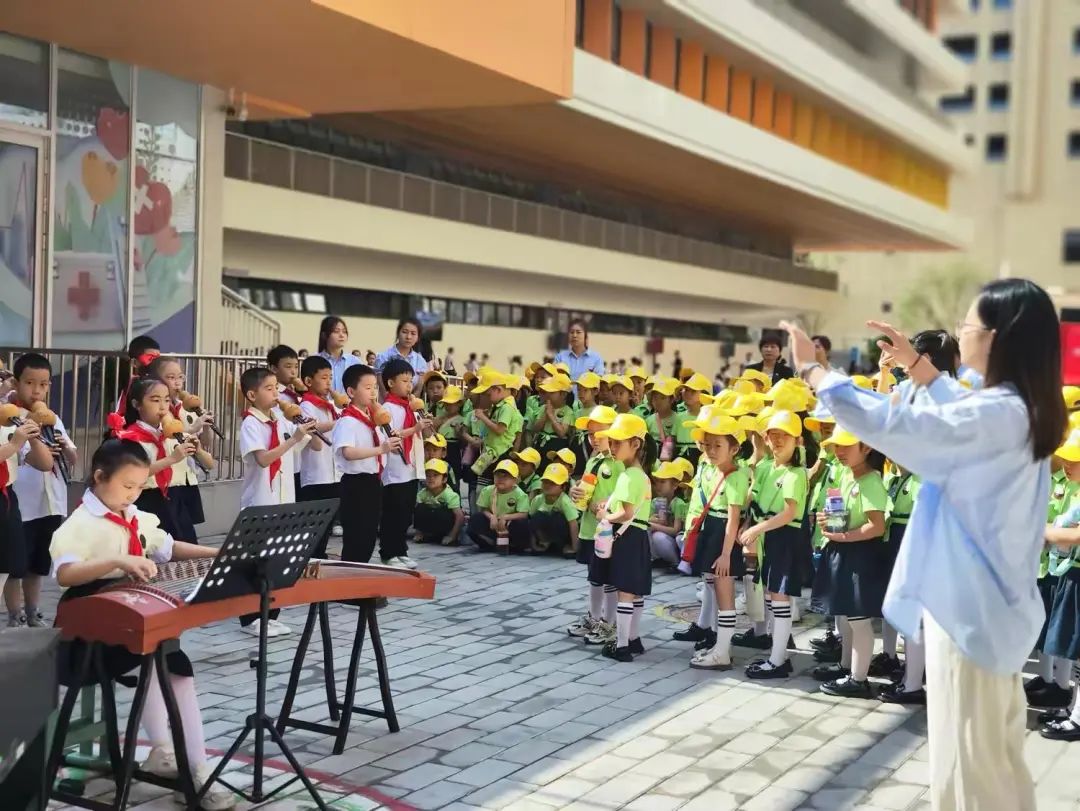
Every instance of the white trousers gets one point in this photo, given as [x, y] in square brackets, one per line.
[976, 722]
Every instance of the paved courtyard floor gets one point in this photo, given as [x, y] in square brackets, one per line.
[499, 708]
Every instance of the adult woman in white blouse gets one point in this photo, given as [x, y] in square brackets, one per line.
[968, 565]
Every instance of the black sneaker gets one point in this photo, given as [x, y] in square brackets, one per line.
[1049, 697]
[694, 633]
[708, 642]
[828, 655]
[830, 672]
[1064, 730]
[618, 654]
[635, 646]
[830, 640]
[884, 666]
[767, 670]
[1037, 683]
[896, 694]
[748, 639]
[848, 687]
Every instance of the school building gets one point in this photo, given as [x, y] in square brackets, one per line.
[223, 174]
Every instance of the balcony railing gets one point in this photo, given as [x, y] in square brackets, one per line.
[246, 329]
[275, 164]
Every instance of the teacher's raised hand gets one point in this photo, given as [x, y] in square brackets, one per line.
[895, 344]
[802, 348]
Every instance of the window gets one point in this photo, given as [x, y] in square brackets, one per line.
[457, 312]
[1003, 5]
[502, 315]
[472, 312]
[1001, 45]
[315, 302]
[997, 147]
[1074, 93]
[959, 104]
[998, 97]
[487, 314]
[1074, 144]
[965, 47]
[1070, 246]
[292, 300]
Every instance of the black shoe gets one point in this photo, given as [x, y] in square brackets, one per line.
[635, 646]
[694, 633]
[830, 640]
[618, 654]
[830, 672]
[1037, 683]
[1052, 715]
[828, 655]
[1064, 730]
[1049, 697]
[896, 694]
[767, 670]
[748, 639]
[884, 666]
[708, 642]
[847, 687]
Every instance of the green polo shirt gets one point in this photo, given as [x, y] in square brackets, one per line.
[504, 503]
[774, 486]
[684, 433]
[447, 499]
[902, 488]
[634, 488]
[733, 491]
[505, 413]
[564, 414]
[670, 425]
[607, 472]
[531, 485]
[642, 410]
[449, 428]
[863, 495]
[679, 509]
[562, 504]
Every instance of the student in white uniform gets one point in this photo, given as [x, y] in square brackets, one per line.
[319, 476]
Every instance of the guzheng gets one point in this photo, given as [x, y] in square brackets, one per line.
[140, 616]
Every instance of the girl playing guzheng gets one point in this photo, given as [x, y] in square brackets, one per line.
[108, 538]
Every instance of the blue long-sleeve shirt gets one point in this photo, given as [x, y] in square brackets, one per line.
[970, 556]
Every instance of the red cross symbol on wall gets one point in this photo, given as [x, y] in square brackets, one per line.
[84, 296]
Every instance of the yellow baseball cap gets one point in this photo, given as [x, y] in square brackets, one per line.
[556, 473]
[589, 380]
[637, 372]
[756, 376]
[626, 426]
[1074, 421]
[726, 398]
[1070, 451]
[491, 378]
[1072, 396]
[604, 415]
[506, 466]
[699, 383]
[668, 470]
[562, 367]
[719, 425]
[747, 404]
[862, 381]
[623, 381]
[609, 379]
[785, 421]
[819, 418]
[844, 439]
[564, 455]
[550, 368]
[530, 370]
[685, 467]
[752, 424]
[559, 382]
[703, 416]
[892, 379]
[685, 373]
[437, 466]
[791, 398]
[667, 386]
[529, 455]
[741, 386]
[469, 378]
[438, 440]
[515, 382]
[453, 394]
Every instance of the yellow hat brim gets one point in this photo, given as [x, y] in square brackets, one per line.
[1070, 453]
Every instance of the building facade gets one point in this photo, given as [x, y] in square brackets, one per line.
[656, 166]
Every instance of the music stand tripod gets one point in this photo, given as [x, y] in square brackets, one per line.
[267, 548]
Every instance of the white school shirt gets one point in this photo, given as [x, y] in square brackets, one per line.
[397, 471]
[285, 393]
[349, 432]
[41, 493]
[88, 535]
[151, 451]
[317, 467]
[258, 490]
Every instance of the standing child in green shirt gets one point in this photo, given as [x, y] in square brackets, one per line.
[554, 423]
[502, 424]
[438, 515]
[663, 422]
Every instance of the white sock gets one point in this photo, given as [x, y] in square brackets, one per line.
[707, 615]
[1062, 669]
[725, 629]
[156, 719]
[888, 639]
[914, 664]
[768, 615]
[611, 599]
[623, 618]
[795, 610]
[635, 619]
[1046, 667]
[781, 631]
[862, 646]
[596, 600]
[844, 630]
[755, 604]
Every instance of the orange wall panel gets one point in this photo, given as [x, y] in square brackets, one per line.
[597, 27]
[837, 139]
[784, 115]
[632, 41]
[717, 82]
[662, 56]
[691, 77]
[822, 132]
[804, 124]
[763, 104]
[742, 89]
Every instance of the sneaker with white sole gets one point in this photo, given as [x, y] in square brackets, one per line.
[35, 619]
[583, 627]
[337, 531]
[273, 629]
[161, 762]
[16, 620]
[712, 659]
[408, 562]
[396, 563]
[604, 633]
[740, 604]
[217, 798]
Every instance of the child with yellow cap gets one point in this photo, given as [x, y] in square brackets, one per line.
[663, 422]
[528, 460]
[597, 626]
[552, 525]
[497, 505]
[621, 393]
[554, 421]
[438, 515]
[669, 514]
[450, 424]
[696, 393]
[502, 423]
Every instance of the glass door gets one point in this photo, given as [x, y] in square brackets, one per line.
[22, 192]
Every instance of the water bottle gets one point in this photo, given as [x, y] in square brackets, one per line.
[587, 485]
[660, 511]
[667, 449]
[605, 540]
[836, 514]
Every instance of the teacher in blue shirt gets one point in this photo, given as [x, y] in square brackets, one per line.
[409, 332]
[333, 335]
[578, 356]
[969, 561]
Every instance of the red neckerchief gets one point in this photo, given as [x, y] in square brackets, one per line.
[275, 466]
[357, 414]
[290, 394]
[410, 421]
[320, 402]
[135, 546]
[174, 409]
[136, 432]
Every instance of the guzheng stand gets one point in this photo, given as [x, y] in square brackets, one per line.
[341, 711]
[274, 546]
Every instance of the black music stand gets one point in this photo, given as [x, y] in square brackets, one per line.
[267, 548]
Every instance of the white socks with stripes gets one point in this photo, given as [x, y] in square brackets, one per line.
[780, 632]
[707, 615]
[635, 619]
[725, 629]
[624, 619]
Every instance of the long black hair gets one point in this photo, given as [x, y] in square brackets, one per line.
[1026, 352]
[940, 348]
[326, 326]
[114, 454]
